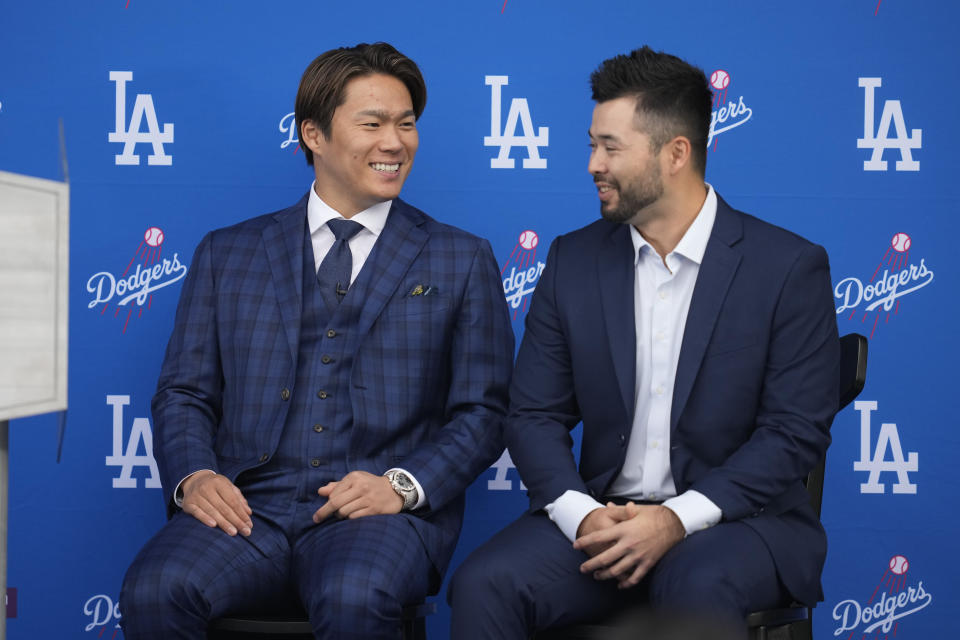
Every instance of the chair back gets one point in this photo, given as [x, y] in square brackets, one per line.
[853, 375]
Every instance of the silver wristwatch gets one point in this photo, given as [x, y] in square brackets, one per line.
[404, 487]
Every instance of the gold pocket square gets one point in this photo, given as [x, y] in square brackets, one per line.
[422, 290]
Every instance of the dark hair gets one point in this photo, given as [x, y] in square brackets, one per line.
[324, 82]
[673, 97]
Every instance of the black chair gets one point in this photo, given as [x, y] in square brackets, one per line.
[793, 622]
[294, 625]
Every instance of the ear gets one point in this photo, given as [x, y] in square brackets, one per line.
[676, 155]
[312, 136]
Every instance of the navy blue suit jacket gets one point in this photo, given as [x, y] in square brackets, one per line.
[429, 380]
[755, 390]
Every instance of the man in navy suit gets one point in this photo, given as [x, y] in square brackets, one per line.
[698, 346]
[336, 377]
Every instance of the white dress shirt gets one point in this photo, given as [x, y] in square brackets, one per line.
[372, 219]
[663, 288]
[361, 244]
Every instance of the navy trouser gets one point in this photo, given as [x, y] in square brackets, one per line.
[353, 577]
[527, 578]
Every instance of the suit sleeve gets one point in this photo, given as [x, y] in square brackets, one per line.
[187, 404]
[543, 404]
[797, 402]
[481, 357]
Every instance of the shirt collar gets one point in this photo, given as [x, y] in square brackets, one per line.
[372, 219]
[693, 244]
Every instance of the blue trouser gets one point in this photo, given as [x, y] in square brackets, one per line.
[353, 576]
[527, 578]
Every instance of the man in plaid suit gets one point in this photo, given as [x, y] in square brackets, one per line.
[336, 377]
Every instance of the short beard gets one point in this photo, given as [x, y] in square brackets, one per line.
[642, 192]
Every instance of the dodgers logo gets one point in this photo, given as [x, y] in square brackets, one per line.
[894, 598]
[887, 455]
[521, 272]
[507, 138]
[127, 458]
[881, 294]
[102, 612]
[133, 288]
[143, 108]
[288, 126]
[891, 116]
[726, 114]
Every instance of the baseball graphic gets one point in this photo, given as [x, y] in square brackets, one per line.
[153, 236]
[900, 242]
[899, 565]
[528, 239]
[719, 79]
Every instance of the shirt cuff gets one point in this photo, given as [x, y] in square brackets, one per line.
[421, 498]
[695, 510]
[178, 492]
[569, 510]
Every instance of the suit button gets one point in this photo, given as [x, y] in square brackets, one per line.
[322, 394]
[264, 457]
[285, 393]
[331, 333]
[315, 462]
[623, 439]
[326, 359]
[318, 428]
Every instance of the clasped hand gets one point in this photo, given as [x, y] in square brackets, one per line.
[625, 542]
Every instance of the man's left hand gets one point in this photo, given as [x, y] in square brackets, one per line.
[356, 495]
[635, 545]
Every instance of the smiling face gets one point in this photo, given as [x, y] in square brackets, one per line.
[624, 167]
[373, 139]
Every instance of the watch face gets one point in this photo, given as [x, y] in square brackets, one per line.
[403, 481]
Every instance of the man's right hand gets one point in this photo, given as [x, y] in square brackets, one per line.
[216, 502]
[601, 518]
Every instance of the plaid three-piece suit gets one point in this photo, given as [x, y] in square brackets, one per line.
[410, 370]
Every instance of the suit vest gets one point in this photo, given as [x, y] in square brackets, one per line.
[314, 443]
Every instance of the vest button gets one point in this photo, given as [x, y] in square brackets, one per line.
[326, 359]
[331, 333]
[285, 393]
[318, 428]
[315, 462]
[264, 457]
[322, 394]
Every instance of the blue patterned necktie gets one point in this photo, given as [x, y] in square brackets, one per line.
[336, 268]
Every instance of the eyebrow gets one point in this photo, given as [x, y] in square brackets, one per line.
[380, 114]
[606, 137]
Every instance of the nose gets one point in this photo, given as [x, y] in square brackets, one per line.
[390, 140]
[595, 166]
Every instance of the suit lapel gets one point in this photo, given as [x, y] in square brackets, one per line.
[398, 246]
[284, 242]
[720, 262]
[616, 266]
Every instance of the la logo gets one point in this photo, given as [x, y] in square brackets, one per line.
[507, 138]
[892, 115]
[500, 483]
[887, 441]
[142, 108]
[128, 458]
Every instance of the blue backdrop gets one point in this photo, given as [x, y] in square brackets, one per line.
[832, 119]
